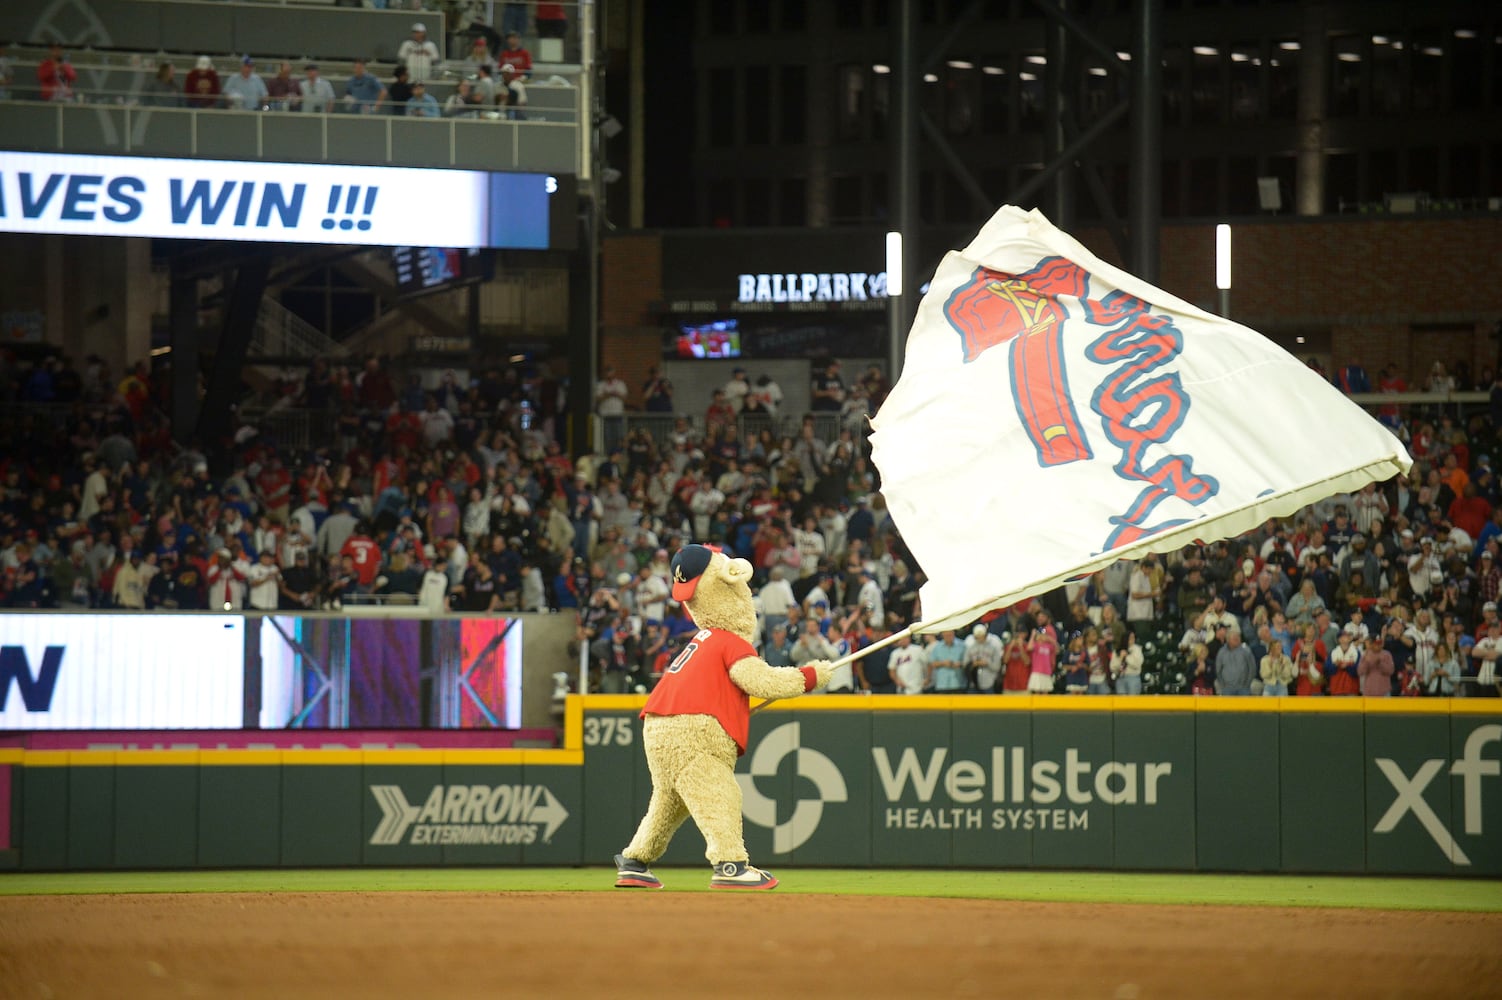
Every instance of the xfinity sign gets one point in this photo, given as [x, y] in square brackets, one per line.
[1408, 800]
[272, 202]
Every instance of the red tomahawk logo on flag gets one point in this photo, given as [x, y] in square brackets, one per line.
[1023, 310]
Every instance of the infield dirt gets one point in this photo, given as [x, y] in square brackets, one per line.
[635, 943]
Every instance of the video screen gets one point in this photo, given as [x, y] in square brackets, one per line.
[720, 339]
[424, 269]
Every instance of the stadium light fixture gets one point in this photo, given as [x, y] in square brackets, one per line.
[1223, 267]
[894, 264]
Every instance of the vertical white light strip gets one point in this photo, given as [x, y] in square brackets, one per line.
[894, 264]
[1223, 257]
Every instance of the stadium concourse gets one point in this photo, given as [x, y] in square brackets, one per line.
[460, 496]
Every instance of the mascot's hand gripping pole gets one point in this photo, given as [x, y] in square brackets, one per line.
[842, 661]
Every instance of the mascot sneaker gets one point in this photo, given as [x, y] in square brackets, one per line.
[740, 875]
[631, 874]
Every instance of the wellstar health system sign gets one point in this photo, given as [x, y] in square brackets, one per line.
[273, 202]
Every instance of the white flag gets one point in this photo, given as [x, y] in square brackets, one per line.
[1056, 414]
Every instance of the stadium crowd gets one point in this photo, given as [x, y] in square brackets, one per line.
[489, 66]
[459, 494]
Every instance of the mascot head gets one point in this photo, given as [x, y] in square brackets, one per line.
[715, 588]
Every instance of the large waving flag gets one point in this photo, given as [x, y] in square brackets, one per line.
[1056, 414]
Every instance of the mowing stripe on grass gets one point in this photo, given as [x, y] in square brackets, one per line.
[1472, 895]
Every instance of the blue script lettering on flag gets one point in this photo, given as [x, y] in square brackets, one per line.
[1115, 419]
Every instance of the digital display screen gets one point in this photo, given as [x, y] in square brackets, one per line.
[719, 339]
[308, 203]
[425, 269]
[211, 671]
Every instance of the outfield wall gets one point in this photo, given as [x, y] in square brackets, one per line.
[1163, 783]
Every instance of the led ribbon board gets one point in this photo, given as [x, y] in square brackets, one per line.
[262, 202]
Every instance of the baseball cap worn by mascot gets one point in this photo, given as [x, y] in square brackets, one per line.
[697, 719]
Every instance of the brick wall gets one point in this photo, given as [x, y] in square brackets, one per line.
[1405, 291]
[630, 280]
[1331, 270]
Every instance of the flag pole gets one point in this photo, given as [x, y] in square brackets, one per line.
[842, 661]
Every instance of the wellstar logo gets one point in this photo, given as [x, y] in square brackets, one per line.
[1008, 791]
[813, 765]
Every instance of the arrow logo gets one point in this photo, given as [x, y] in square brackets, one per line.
[812, 764]
[477, 811]
[396, 815]
[549, 812]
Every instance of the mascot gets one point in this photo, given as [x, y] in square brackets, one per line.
[697, 719]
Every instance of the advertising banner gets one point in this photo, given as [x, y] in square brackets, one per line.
[400, 673]
[273, 202]
[158, 671]
[937, 789]
[1373, 791]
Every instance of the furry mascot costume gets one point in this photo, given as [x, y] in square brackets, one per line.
[697, 721]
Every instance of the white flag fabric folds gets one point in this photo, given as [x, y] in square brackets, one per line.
[1055, 414]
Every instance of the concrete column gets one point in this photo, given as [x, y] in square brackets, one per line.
[1309, 185]
[55, 296]
[821, 102]
[109, 291]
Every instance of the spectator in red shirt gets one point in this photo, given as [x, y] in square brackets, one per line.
[1470, 511]
[375, 387]
[365, 554]
[515, 61]
[720, 413]
[1390, 381]
[404, 429]
[56, 75]
[201, 86]
[314, 482]
[515, 69]
[387, 472]
[552, 20]
[275, 486]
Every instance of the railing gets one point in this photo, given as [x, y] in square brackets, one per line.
[295, 429]
[610, 432]
[490, 143]
[1418, 203]
[279, 332]
[549, 96]
[194, 26]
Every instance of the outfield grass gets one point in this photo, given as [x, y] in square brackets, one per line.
[1473, 895]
